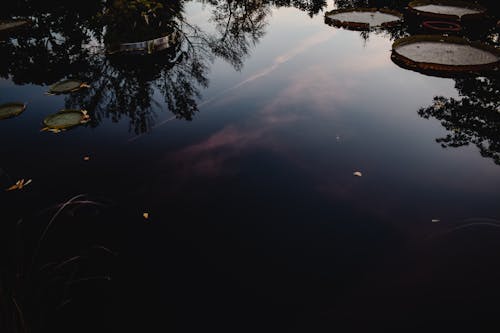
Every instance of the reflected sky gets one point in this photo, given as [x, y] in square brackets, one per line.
[242, 148]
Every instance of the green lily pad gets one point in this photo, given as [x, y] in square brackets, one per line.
[66, 86]
[9, 110]
[65, 119]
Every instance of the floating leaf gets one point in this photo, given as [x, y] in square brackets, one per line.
[444, 55]
[19, 185]
[65, 119]
[447, 9]
[363, 18]
[357, 174]
[66, 86]
[86, 158]
[10, 110]
[435, 220]
[53, 130]
[145, 215]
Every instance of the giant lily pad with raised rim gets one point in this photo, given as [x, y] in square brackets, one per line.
[65, 119]
[447, 9]
[444, 55]
[363, 18]
[146, 47]
[66, 86]
[9, 110]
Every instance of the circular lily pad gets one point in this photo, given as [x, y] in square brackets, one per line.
[363, 18]
[65, 119]
[444, 55]
[9, 25]
[146, 47]
[9, 110]
[66, 86]
[446, 9]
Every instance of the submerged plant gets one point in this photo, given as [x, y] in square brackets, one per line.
[36, 285]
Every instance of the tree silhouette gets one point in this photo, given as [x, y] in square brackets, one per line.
[68, 42]
[472, 119]
[54, 45]
[311, 7]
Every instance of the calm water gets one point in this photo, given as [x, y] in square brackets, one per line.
[240, 142]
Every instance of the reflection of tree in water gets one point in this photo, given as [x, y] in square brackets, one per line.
[312, 7]
[52, 47]
[138, 20]
[124, 85]
[473, 118]
[240, 25]
[57, 46]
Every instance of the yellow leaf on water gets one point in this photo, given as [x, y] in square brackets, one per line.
[145, 215]
[357, 174]
[19, 185]
[13, 187]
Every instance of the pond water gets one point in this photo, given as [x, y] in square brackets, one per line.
[214, 182]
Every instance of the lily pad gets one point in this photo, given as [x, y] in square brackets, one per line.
[444, 55]
[363, 18]
[65, 119]
[146, 47]
[447, 9]
[66, 86]
[10, 110]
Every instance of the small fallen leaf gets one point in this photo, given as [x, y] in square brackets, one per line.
[19, 185]
[357, 174]
[435, 220]
[145, 215]
[86, 158]
[85, 117]
[53, 130]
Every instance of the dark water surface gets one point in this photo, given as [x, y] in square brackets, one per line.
[240, 142]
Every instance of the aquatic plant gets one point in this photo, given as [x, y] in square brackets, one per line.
[37, 283]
